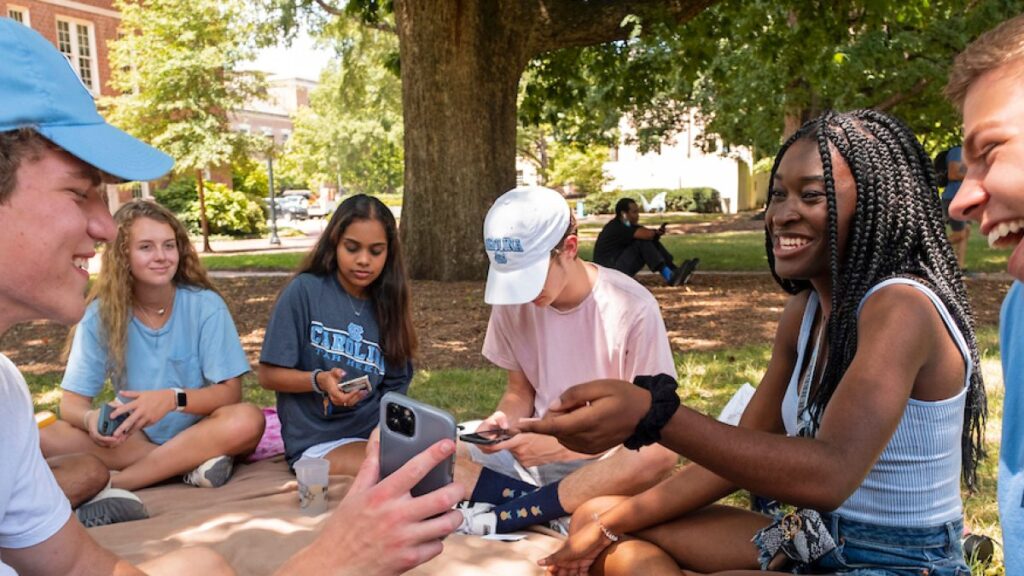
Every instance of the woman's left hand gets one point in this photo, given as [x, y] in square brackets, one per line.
[145, 408]
[578, 553]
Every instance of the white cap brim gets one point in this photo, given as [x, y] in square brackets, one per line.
[516, 286]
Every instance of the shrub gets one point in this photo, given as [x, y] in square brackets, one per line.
[178, 195]
[228, 211]
[702, 200]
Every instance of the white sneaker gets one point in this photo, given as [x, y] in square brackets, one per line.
[477, 518]
[213, 473]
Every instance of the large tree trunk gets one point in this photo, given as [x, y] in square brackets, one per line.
[461, 63]
[460, 72]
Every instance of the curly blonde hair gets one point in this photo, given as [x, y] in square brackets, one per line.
[114, 285]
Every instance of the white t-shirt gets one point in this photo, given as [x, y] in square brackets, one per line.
[32, 506]
[616, 332]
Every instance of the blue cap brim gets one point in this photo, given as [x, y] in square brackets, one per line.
[111, 150]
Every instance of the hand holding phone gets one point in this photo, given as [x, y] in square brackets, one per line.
[407, 428]
[106, 425]
[360, 383]
[487, 437]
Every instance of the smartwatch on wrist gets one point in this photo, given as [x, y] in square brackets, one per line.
[180, 399]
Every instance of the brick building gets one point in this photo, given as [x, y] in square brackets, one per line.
[80, 29]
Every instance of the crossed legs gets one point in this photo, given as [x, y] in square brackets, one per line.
[232, 430]
[713, 540]
[80, 476]
[623, 472]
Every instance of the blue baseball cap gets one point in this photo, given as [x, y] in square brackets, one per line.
[40, 90]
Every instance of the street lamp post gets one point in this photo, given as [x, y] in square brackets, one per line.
[274, 239]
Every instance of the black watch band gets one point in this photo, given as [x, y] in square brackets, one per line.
[180, 399]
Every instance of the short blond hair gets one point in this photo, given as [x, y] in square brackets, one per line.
[1000, 46]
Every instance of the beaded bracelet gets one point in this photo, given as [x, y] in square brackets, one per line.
[604, 530]
[316, 387]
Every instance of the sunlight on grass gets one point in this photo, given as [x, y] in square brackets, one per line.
[722, 251]
[467, 394]
[256, 261]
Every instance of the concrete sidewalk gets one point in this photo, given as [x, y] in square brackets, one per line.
[246, 246]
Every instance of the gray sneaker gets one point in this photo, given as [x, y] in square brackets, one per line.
[213, 473]
[110, 506]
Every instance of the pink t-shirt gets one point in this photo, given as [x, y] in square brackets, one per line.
[616, 332]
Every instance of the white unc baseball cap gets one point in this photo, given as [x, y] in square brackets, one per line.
[521, 229]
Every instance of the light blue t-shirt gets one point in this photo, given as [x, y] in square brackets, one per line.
[197, 347]
[1011, 451]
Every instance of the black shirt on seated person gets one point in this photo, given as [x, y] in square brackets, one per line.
[615, 237]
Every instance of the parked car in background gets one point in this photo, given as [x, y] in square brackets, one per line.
[290, 207]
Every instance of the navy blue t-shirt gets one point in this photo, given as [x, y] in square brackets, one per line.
[315, 325]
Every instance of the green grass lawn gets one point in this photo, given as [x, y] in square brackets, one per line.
[723, 251]
[254, 261]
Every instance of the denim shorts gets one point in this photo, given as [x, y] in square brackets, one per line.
[872, 550]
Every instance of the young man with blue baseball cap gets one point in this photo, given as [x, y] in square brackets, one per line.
[556, 321]
[55, 154]
[56, 151]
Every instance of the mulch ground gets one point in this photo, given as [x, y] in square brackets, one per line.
[714, 311]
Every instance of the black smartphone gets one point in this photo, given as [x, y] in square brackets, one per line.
[408, 427]
[487, 437]
[107, 425]
[361, 383]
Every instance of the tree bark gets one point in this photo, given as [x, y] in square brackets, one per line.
[204, 224]
[461, 64]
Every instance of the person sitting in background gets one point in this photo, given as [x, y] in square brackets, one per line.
[625, 245]
[950, 170]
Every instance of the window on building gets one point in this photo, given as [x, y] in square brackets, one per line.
[520, 178]
[18, 14]
[76, 41]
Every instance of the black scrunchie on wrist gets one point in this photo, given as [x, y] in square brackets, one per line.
[664, 403]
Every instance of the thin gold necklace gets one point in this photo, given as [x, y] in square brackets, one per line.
[146, 311]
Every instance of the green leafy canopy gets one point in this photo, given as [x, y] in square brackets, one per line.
[751, 69]
[177, 67]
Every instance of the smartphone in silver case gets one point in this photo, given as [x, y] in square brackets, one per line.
[408, 427]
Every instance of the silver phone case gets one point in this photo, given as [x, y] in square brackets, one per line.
[432, 425]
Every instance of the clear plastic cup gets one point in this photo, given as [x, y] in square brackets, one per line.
[312, 475]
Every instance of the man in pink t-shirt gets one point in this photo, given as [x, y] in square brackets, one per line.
[557, 321]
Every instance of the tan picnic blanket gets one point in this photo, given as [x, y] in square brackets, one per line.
[254, 521]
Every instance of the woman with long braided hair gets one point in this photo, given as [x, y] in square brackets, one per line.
[871, 409]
